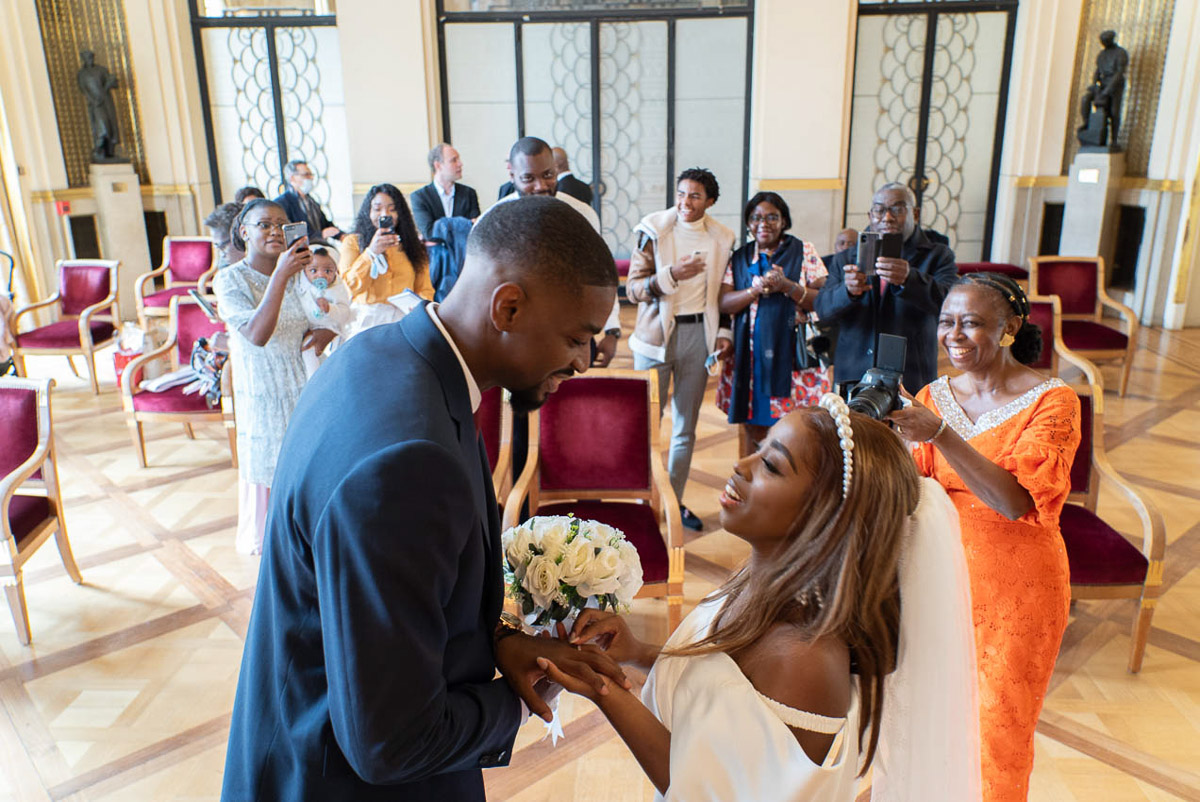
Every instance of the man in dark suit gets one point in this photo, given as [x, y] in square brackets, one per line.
[372, 648]
[301, 206]
[443, 196]
[903, 297]
[567, 182]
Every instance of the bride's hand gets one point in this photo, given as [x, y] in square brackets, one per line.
[571, 683]
[611, 633]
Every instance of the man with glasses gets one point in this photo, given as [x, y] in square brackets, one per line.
[902, 297]
[301, 206]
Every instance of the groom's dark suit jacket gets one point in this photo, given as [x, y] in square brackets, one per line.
[368, 668]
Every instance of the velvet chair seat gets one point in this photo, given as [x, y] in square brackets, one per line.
[1097, 553]
[26, 513]
[162, 298]
[173, 399]
[1012, 271]
[1087, 335]
[638, 523]
[64, 334]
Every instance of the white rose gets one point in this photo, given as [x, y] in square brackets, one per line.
[603, 574]
[576, 558]
[541, 580]
[631, 573]
[551, 535]
[516, 549]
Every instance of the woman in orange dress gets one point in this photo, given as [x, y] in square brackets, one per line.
[1000, 438]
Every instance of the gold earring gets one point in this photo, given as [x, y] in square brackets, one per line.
[1007, 340]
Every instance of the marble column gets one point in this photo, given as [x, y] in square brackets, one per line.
[122, 227]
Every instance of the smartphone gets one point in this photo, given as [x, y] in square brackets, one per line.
[872, 245]
[208, 308]
[294, 231]
[387, 222]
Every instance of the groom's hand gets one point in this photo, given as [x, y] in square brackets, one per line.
[517, 658]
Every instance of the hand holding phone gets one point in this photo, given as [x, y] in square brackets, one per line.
[294, 231]
[387, 222]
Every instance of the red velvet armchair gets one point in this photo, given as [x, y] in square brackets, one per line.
[594, 452]
[494, 421]
[188, 322]
[188, 262]
[30, 505]
[1079, 282]
[1104, 563]
[86, 304]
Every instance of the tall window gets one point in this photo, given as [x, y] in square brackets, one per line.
[930, 91]
[271, 87]
[634, 91]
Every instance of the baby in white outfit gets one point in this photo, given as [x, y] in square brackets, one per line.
[325, 299]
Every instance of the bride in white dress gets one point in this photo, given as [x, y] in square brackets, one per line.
[805, 669]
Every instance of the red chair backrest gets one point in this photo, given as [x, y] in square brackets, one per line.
[192, 323]
[1073, 282]
[488, 419]
[1003, 268]
[595, 435]
[18, 427]
[1081, 468]
[187, 259]
[82, 284]
[1041, 314]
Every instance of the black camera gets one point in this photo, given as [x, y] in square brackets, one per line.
[878, 392]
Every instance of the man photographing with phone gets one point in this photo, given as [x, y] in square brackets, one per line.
[900, 292]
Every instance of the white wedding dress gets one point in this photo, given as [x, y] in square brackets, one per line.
[729, 742]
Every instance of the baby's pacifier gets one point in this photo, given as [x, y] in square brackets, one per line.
[321, 283]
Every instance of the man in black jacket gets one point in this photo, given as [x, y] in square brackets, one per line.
[443, 196]
[301, 206]
[567, 182]
[903, 297]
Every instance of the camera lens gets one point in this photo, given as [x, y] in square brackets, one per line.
[874, 402]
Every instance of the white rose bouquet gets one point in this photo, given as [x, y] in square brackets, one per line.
[558, 565]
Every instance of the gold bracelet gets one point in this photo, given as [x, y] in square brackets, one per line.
[935, 435]
[804, 294]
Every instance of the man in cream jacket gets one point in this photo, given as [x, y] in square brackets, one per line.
[675, 275]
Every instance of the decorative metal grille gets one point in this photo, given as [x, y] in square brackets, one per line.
[1143, 28]
[69, 26]
[575, 6]
[300, 94]
[570, 68]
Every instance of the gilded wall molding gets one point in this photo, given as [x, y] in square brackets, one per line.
[1127, 183]
[785, 184]
[68, 27]
[1143, 28]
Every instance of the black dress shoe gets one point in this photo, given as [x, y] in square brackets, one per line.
[690, 520]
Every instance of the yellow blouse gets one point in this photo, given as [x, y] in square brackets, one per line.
[355, 268]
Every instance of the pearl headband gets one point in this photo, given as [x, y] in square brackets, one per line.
[837, 409]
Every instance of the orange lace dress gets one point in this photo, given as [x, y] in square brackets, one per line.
[1020, 582]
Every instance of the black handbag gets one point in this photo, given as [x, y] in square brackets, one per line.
[814, 348]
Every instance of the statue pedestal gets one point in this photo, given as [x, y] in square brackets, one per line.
[1090, 216]
[122, 227]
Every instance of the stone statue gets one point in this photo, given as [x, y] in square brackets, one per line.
[1101, 103]
[96, 82]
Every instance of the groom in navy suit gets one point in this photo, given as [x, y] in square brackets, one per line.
[370, 660]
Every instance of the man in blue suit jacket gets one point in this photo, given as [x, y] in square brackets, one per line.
[863, 306]
[370, 659]
[444, 196]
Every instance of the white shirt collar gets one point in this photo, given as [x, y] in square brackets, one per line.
[562, 175]
[472, 385]
[443, 192]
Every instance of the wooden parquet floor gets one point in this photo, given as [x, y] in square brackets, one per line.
[127, 690]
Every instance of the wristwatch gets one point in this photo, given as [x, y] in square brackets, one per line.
[614, 332]
[508, 624]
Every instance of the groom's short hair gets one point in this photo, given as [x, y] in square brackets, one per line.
[546, 239]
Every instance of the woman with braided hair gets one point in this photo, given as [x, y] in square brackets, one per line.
[1000, 438]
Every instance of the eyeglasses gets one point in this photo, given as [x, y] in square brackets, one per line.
[268, 226]
[755, 219]
[897, 210]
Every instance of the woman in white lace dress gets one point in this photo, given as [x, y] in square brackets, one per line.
[267, 331]
[773, 688]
